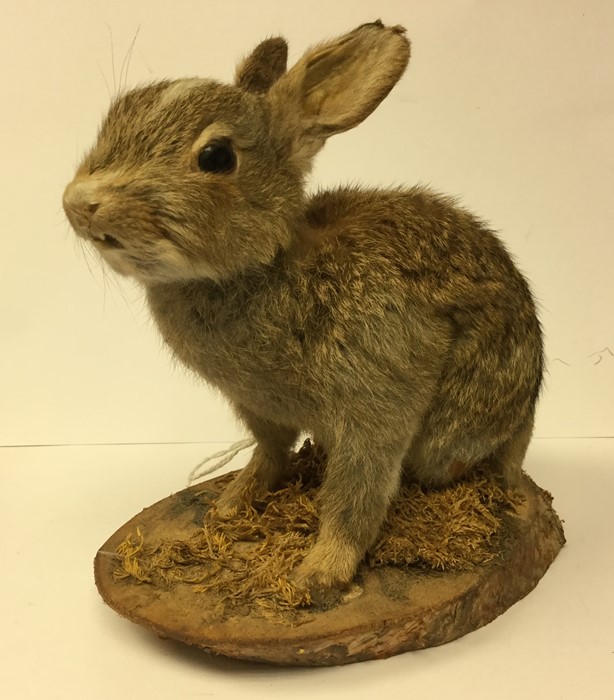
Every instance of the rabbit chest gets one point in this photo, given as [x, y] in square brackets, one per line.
[247, 342]
[295, 344]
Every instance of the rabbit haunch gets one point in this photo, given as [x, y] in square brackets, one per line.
[391, 324]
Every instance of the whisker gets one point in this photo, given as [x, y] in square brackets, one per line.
[112, 59]
[129, 305]
[107, 280]
[87, 252]
[115, 283]
[106, 82]
[126, 63]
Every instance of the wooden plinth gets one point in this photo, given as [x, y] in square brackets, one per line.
[388, 610]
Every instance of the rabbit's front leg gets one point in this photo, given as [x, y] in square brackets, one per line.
[267, 465]
[359, 484]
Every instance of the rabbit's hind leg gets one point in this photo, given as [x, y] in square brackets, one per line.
[508, 459]
[439, 456]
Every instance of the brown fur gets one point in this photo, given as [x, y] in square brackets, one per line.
[265, 65]
[392, 325]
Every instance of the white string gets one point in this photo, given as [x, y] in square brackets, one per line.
[226, 456]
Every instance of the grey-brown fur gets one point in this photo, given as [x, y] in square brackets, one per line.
[392, 325]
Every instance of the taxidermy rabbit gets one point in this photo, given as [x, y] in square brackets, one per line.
[392, 325]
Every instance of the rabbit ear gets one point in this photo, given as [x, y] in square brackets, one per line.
[264, 65]
[336, 85]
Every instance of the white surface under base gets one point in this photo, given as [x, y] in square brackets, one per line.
[59, 504]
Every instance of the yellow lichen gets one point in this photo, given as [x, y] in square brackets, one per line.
[249, 556]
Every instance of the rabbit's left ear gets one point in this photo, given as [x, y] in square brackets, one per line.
[337, 84]
[264, 65]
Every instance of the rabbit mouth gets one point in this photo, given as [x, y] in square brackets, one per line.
[107, 242]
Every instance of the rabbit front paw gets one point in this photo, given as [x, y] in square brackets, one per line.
[253, 482]
[238, 495]
[330, 563]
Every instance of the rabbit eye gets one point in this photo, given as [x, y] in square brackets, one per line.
[217, 157]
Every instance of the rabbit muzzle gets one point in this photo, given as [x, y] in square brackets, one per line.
[82, 204]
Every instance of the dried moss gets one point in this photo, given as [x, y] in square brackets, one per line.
[248, 557]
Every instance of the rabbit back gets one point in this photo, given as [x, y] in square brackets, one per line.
[390, 307]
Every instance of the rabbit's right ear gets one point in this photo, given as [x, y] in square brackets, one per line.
[336, 85]
[264, 65]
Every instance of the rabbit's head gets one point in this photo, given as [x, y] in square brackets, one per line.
[193, 178]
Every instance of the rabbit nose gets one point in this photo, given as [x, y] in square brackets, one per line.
[81, 202]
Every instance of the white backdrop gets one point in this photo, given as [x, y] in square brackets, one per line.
[508, 104]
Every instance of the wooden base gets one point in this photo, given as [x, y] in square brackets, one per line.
[387, 611]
